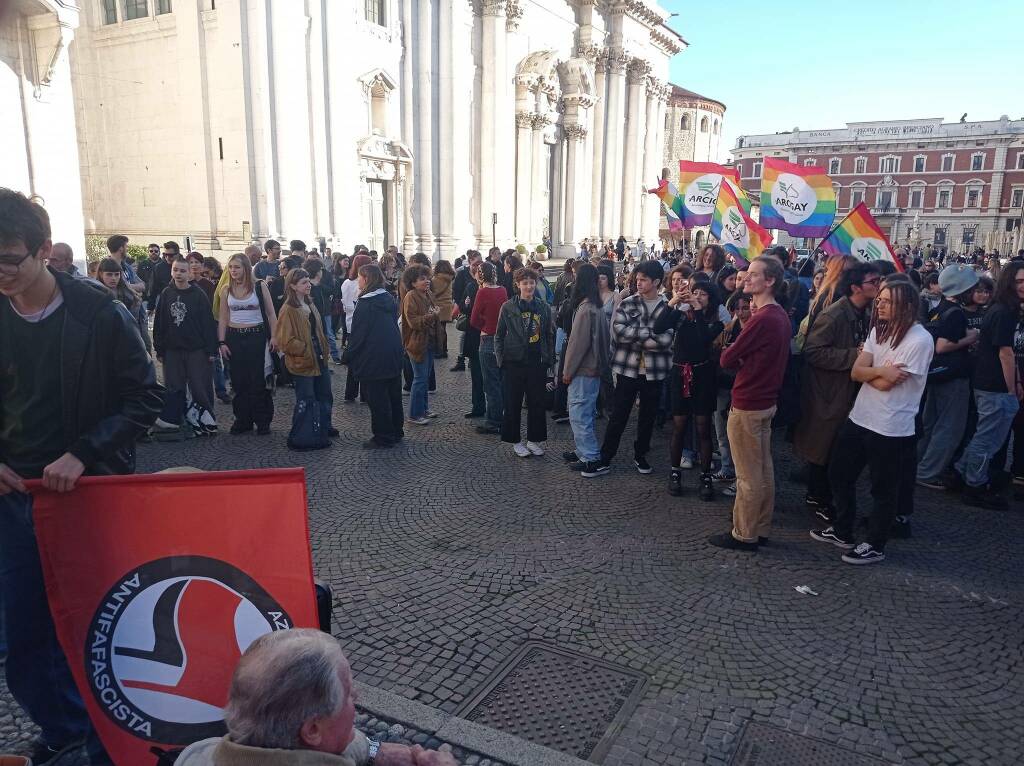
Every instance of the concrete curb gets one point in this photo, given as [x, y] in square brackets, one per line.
[489, 743]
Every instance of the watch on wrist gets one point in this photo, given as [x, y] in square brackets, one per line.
[373, 746]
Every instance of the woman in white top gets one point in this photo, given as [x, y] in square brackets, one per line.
[244, 338]
[349, 296]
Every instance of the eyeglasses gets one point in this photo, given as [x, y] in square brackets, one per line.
[874, 281]
[10, 268]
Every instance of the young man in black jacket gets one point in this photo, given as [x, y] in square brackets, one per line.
[75, 405]
[185, 340]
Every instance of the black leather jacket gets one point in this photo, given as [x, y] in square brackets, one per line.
[110, 395]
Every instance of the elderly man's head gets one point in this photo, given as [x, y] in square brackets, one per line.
[61, 258]
[292, 690]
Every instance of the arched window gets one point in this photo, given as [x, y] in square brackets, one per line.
[715, 128]
[667, 123]
[703, 124]
[684, 122]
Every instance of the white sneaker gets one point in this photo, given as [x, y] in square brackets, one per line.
[420, 421]
[431, 414]
[686, 462]
[535, 449]
[521, 450]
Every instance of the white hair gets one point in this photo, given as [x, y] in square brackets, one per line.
[284, 679]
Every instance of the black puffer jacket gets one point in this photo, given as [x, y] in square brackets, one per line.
[110, 394]
[374, 349]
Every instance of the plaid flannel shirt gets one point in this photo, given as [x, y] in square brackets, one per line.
[632, 335]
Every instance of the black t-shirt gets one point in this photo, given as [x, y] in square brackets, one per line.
[997, 330]
[949, 320]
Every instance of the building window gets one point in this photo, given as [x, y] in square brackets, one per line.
[757, 169]
[977, 161]
[919, 163]
[860, 165]
[667, 118]
[109, 11]
[885, 199]
[856, 196]
[973, 197]
[703, 124]
[837, 189]
[916, 198]
[944, 198]
[947, 162]
[1020, 161]
[1018, 198]
[834, 166]
[163, 6]
[375, 12]
[715, 131]
[889, 165]
[684, 122]
[808, 162]
[135, 9]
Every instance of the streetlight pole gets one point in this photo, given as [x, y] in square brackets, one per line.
[494, 229]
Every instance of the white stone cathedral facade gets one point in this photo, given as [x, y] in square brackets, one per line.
[433, 125]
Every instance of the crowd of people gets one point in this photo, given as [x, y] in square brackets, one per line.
[912, 373]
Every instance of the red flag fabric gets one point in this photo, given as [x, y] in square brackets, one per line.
[158, 583]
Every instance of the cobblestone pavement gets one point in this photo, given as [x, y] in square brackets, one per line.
[447, 553]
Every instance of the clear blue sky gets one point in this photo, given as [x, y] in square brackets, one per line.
[823, 64]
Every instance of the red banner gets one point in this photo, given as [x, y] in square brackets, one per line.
[158, 583]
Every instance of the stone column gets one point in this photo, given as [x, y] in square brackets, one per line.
[408, 128]
[492, 94]
[652, 160]
[636, 128]
[540, 169]
[597, 132]
[611, 208]
[574, 137]
[445, 123]
[424, 130]
[524, 174]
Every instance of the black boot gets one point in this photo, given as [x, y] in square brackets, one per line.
[707, 488]
[460, 365]
[675, 482]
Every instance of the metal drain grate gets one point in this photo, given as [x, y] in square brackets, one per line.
[763, 745]
[557, 698]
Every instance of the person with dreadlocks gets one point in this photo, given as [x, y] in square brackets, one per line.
[879, 432]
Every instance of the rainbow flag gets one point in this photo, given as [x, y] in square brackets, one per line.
[737, 232]
[860, 236]
[669, 196]
[700, 182]
[797, 199]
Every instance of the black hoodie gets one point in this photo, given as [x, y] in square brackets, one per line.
[184, 322]
[375, 344]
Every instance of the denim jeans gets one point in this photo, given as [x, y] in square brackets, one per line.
[995, 416]
[329, 332]
[37, 670]
[944, 417]
[493, 390]
[420, 377]
[583, 393]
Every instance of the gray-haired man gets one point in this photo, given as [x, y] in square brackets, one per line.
[291, 704]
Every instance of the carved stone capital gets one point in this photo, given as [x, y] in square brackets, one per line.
[494, 7]
[574, 132]
[524, 120]
[637, 70]
[540, 121]
[513, 15]
[618, 60]
[592, 53]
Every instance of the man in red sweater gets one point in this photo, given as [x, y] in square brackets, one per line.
[759, 355]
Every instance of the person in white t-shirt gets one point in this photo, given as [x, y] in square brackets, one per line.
[879, 433]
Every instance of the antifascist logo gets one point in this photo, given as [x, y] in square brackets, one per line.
[734, 230]
[793, 198]
[869, 248]
[165, 640]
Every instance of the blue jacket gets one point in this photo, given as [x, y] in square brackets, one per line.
[375, 344]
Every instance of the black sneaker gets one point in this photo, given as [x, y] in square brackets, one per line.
[863, 554]
[334, 433]
[932, 483]
[460, 365]
[675, 482]
[377, 444]
[42, 753]
[577, 465]
[472, 415]
[952, 481]
[900, 528]
[983, 497]
[487, 430]
[263, 430]
[826, 513]
[570, 457]
[730, 543]
[707, 489]
[641, 464]
[561, 417]
[829, 535]
[594, 468]
[815, 502]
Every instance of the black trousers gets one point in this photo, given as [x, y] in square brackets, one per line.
[889, 459]
[384, 398]
[818, 485]
[528, 380]
[353, 387]
[626, 392]
[471, 350]
[253, 402]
